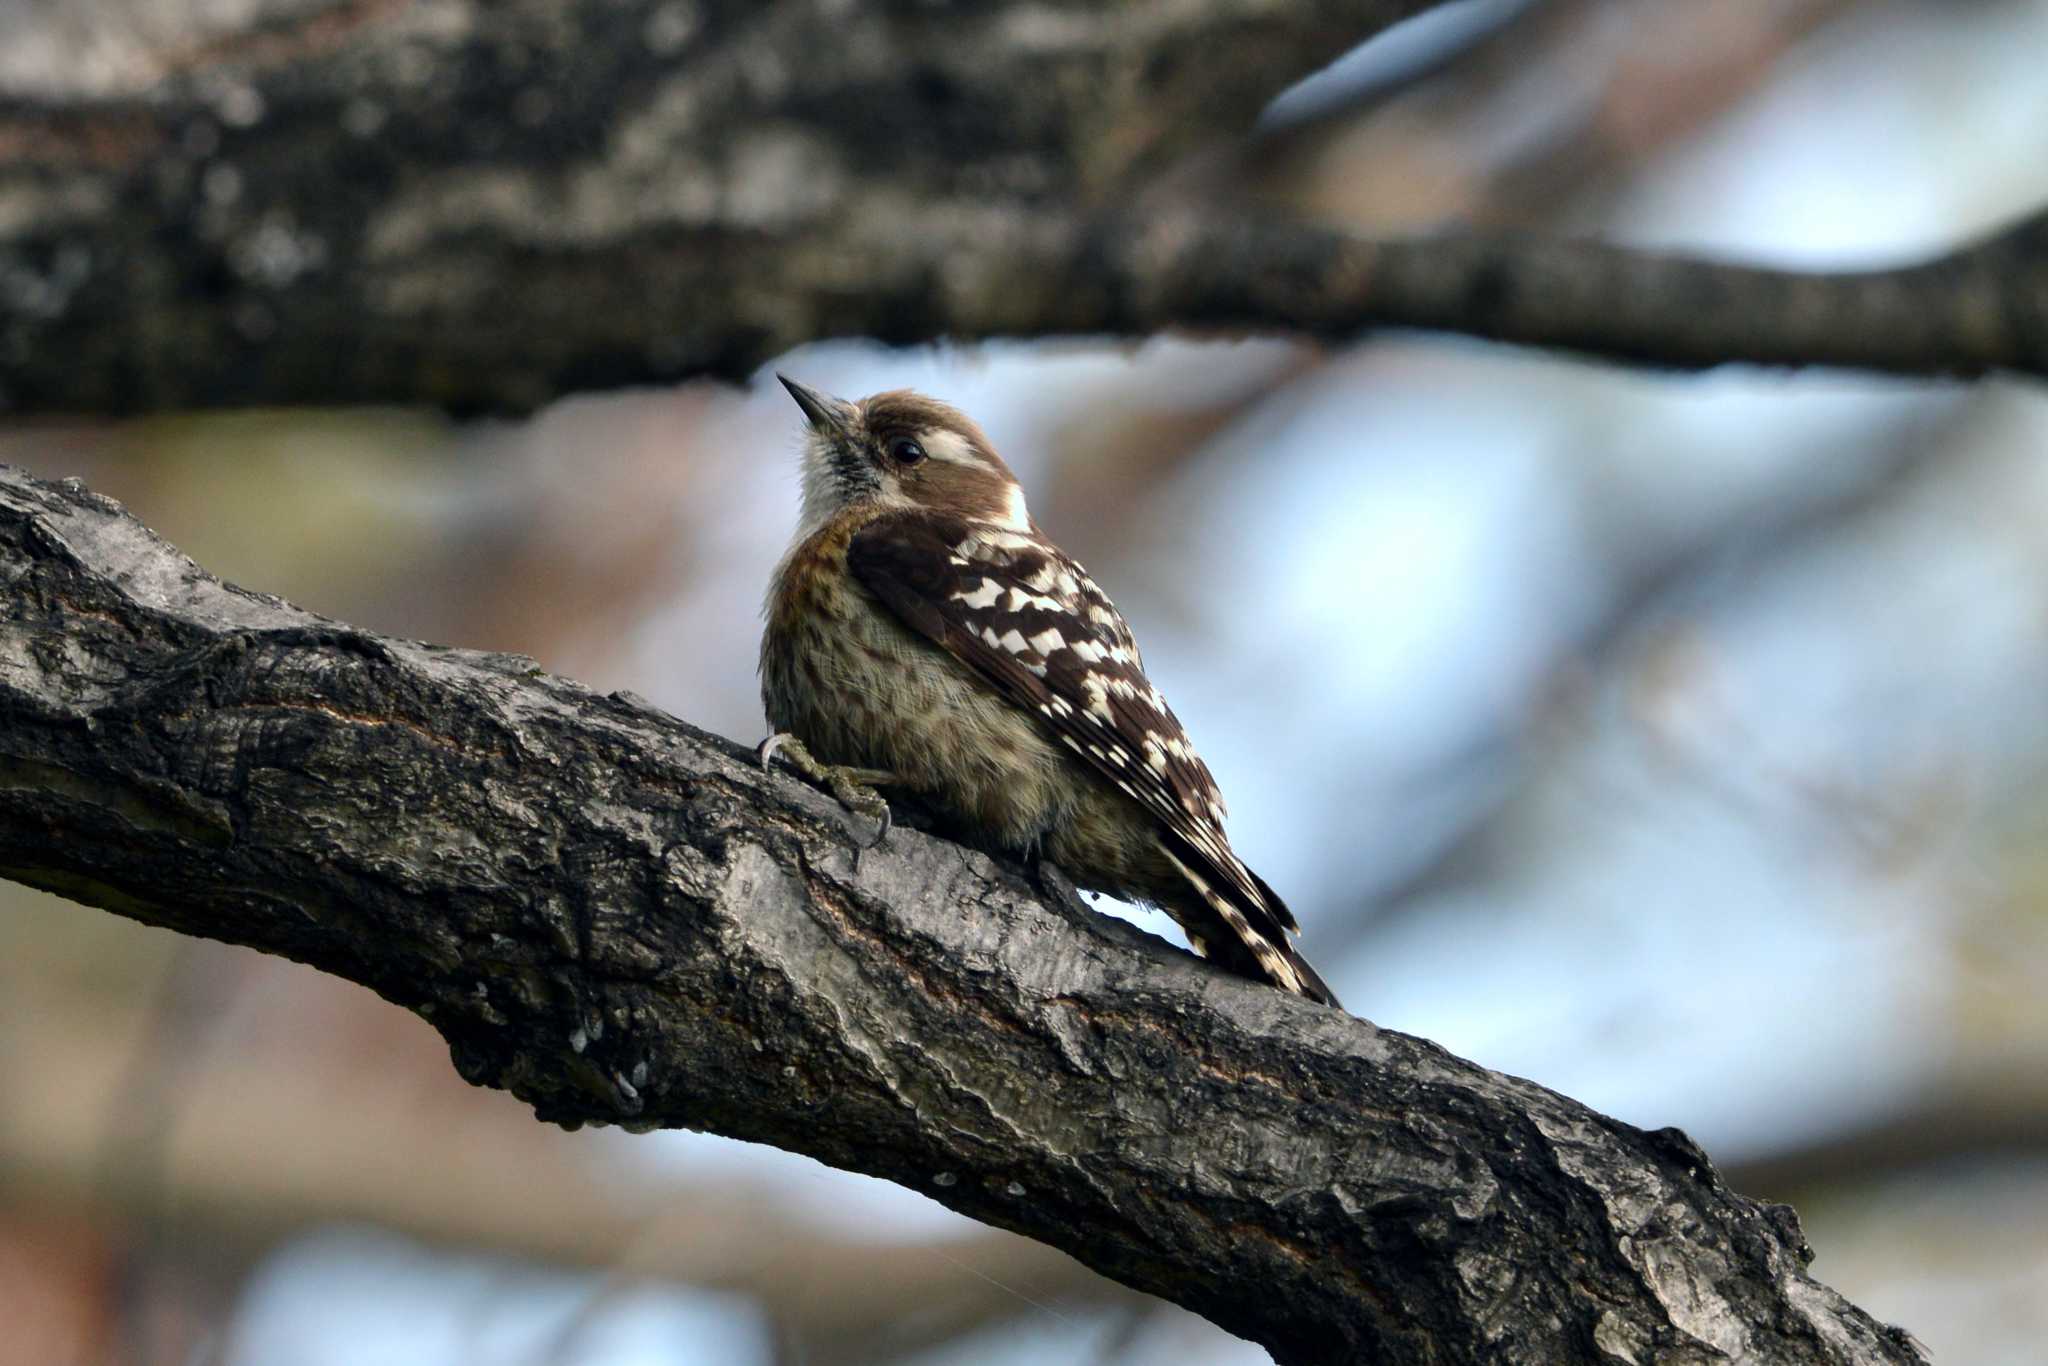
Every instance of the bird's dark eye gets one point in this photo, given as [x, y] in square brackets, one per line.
[904, 450]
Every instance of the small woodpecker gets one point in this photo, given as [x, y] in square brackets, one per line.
[924, 634]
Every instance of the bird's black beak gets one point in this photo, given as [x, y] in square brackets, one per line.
[829, 416]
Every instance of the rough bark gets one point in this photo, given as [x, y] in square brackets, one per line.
[486, 206]
[621, 919]
[489, 204]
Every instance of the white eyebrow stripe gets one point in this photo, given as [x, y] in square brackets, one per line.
[950, 447]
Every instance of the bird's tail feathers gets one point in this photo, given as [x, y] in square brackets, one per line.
[1243, 949]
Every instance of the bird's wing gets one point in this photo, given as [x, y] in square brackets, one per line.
[1029, 620]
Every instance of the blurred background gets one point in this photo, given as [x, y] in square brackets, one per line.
[1677, 742]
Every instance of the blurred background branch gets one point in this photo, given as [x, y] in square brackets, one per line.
[490, 205]
[306, 216]
[250, 1155]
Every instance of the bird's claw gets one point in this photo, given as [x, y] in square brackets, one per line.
[852, 787]
[765, 752]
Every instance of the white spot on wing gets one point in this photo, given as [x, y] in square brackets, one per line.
[983, 597]
[1048, 640]
[1021, 599]
[1002, 538]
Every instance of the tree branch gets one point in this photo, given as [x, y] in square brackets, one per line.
[489, 204]
[525, 199]
[1979, 309]
[621, 919]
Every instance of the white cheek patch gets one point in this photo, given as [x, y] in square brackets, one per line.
[951, 448]
[892, 499]
[1017, 517]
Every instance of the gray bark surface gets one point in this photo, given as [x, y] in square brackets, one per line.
[491, 204]
[621, 919]
[487, 206]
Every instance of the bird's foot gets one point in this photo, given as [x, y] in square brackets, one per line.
[854, 788]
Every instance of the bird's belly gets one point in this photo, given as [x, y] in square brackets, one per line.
[870, 693]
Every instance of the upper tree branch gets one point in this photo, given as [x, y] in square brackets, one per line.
[486, 206]
[620, 918]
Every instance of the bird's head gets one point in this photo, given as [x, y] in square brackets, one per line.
[901, 451]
